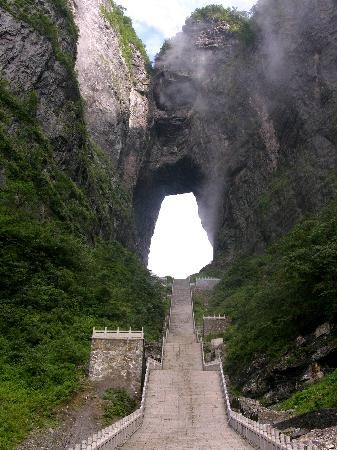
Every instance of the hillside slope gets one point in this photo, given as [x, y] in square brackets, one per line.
[64, 218]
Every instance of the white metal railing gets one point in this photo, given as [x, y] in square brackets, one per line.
[261, 436]
[117, 434]
[117, 334]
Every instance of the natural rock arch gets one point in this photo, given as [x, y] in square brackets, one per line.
[179, 177]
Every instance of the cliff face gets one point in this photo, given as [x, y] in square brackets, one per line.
[31, 61]
[67, 61]
[115, 91]
[247, 123]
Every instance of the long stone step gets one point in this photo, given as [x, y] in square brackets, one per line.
[182, 355]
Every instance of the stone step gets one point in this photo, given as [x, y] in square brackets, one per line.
[182, 356]
[185, 410]
[184, 407]
[181, 338]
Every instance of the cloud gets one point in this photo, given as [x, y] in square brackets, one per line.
[156, 20]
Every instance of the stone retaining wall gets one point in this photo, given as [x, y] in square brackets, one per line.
[215, 325]
[117, 363]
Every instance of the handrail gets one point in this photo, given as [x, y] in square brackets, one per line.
[117, 334]
[207, 278]
[118, 433]
[260, 436]
[215, 317]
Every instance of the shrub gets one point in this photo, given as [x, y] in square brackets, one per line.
[128, 38]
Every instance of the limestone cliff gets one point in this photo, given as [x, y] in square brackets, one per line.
[115, 91]
[244, 120]
[247, 122]
[68, 60]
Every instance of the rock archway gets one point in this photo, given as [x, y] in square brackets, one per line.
[154, 185]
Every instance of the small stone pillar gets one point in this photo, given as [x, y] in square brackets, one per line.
[117, 359]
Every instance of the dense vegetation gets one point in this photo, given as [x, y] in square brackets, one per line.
[55, 285]
[128, 38]
[58, 277]
[316, 396]
[285, 293]
[117, 404]
[237, 21]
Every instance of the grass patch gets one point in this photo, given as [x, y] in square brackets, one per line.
[322, 394]
[117, 404]
[200, 305]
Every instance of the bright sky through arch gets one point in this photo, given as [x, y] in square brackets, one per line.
[157, 20]
[179, 245]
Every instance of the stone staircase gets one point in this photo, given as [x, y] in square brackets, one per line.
[184, 405]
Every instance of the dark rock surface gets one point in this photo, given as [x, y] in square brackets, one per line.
[322, 418]
[307, 361]
[249, 128]
[28, 62]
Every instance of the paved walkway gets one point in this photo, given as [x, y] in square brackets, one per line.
[184, 406]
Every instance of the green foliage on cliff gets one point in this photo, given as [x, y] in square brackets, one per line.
[57, 278]
[237, 21]
[167, 45]
[37, 16]
[316, 396]
[287, 292]
[128, 38]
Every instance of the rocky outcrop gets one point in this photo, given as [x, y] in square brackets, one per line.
[306, 362]
[246, 124]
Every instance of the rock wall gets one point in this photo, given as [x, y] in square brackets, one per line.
[248, 126]
[313, 356]
[86, 97]
[31, 62]
[118, 364]
[215, 325]
[206, 284]
[117, 107]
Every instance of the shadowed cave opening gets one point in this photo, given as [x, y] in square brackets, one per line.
[165, 179]
[179, 245]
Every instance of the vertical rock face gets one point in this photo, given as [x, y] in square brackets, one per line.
[99, 102]
[115, 95]
[29, 64]
[248, 125]
[189, 144]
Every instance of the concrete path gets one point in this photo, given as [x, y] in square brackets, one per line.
[184, 405]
